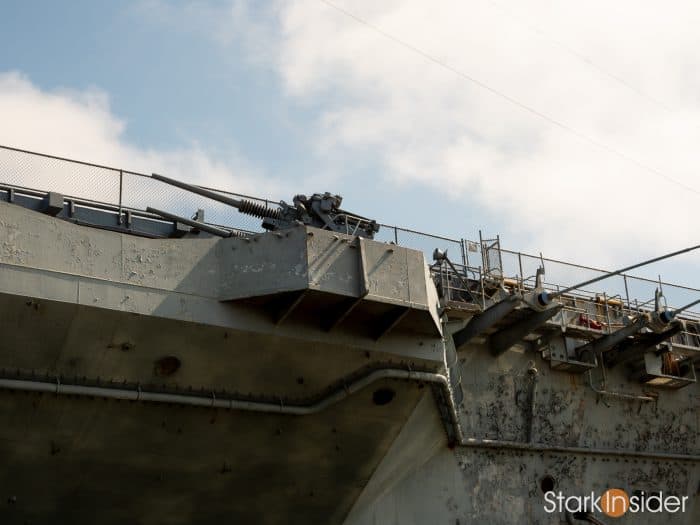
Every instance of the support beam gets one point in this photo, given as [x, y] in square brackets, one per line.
[503, 340]
[638, 348]
[487, 319]
[338, 314]
[389, 321]
[607, 342]
[283, 306]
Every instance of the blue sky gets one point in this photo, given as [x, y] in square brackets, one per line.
[297, 96]
[174, 85]
[171, 87]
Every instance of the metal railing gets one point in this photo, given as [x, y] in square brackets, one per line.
[131, 190]
[121, 188]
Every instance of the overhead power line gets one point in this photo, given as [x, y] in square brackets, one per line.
[580, 56]
[513, 101]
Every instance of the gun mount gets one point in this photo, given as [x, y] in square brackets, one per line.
[154, 365]
[320, 210]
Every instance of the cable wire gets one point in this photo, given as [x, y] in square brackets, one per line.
[580, 56]
[510, 99]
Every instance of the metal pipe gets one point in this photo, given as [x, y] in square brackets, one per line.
[533, 373]
[527, 447]
[279, 408]
[546, 296]
[667, 316]
[212, 401]
[189, 222]
[608, 393]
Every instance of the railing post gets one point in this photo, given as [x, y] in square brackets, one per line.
[483, 292]
[121, 190]
[396, 236]
[484, 263]
[500, 258]
[121, 187]
[464, 253]
[522, 275]
[627, 292]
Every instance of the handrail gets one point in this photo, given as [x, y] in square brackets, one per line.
[460, 244]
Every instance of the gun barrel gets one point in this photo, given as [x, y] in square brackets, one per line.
[554, 295]
[689, 305]
[195, 224]
[236, 203]
[244, 206]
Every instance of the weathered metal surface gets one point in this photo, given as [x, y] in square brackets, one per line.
[85, 306]
[171, 357]
[498, 485]
[89, 460]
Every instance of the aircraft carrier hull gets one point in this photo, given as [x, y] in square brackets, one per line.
[301, 376]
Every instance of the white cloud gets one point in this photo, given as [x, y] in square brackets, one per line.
[431, 127]
[81, 125]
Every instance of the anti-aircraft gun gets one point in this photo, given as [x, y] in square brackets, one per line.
[321, 210]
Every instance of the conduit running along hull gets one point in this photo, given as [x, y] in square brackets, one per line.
[307, 376]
